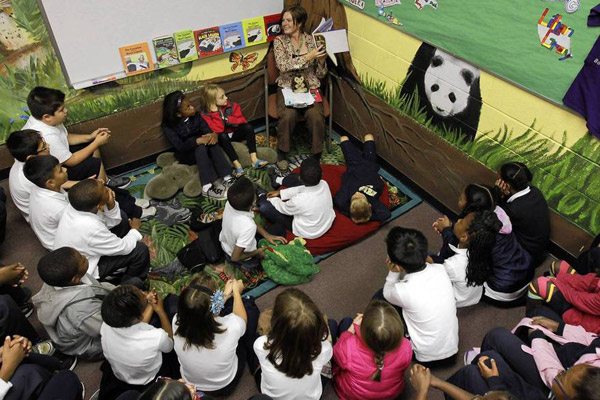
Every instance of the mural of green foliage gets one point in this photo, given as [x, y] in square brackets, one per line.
[567, 177]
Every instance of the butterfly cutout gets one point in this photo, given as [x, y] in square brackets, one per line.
[245, 61]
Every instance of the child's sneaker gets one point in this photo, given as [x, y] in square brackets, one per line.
[273, 175]
[147, 213]
[143, 203]
[120, 182]
[216, 193]
[541, 288]
[27, 309]
[227, 183]
[561, 267]
[471, 354]
[45, 347]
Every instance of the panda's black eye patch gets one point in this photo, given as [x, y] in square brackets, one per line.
[452, 97]
[437, 61]
[467, 76]
[435, 87]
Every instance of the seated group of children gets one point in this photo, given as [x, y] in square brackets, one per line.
[206, 336]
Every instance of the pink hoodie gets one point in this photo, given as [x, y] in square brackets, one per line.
[355, 364]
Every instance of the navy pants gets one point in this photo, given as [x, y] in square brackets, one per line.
[280, 223]
[210, 160]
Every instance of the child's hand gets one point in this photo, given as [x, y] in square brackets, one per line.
[22, 341]
[135, 223]
[429, 260]
[12, 355]
[14, 274]
[228, 288]
[238, 286]
[213, 138]
[151, 296]
[420, 378]
[503, 186]
[486, 371]
[102, 138]
[547, 323]
[110, 203]
[272, 239]
[274, 193]
[158, 305]
[436, 227]
[357, 319]
[443, 223]
[260, 252]
[94, 134]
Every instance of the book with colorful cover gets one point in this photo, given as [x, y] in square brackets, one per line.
[165, 51]
[136, 58]
[208, 41]
[186, 45]
[254, 31]
[232, 36]
[273, 26]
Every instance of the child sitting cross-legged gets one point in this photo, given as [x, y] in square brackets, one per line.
[425, 295]
[69, 303]
[47, 200]
[213, 339]
[85, 225]
[472, 264]
[306, 209]
[238, 234]
[134, 348]
[79, 153]
[372, 355]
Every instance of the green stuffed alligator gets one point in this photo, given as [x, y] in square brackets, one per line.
[288, 264]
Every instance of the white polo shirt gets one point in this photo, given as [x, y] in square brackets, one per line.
[429, 310]
[46, 209]
[238, 229]
[135, 352]
[90, 235]
[456, 268]
[311, 207]
[20, 188]
[276, 384]
[55, 136]
[211, 369]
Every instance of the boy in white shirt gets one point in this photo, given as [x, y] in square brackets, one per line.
[22, 145]
[79, 153]
[85, 225]
[306, 210]
[425, 294]
[48, 200]
[133, 348]
[238, 233]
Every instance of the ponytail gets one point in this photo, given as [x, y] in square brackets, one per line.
[482, 239]
[379, 364]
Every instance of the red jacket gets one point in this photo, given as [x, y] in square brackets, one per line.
[355, 364]
[226, 119]
[583, 293]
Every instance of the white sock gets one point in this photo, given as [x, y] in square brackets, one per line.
[206, 187]
[279, 180]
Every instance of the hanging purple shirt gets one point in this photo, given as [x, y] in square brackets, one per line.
[584, 94]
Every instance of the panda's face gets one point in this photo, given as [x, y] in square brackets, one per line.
[448, 83]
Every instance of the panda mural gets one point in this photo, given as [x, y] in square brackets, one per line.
[448, 89]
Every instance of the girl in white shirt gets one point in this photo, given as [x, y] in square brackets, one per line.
[294, 352]
[211, 348]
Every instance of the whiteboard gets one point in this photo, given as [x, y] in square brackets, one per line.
[87, 34]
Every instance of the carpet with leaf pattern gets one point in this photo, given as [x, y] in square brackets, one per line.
[169, 231]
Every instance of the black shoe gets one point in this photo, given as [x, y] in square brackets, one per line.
[27, 309]
[260, 191]
[273, 175]
[120, 182]
[66, 361]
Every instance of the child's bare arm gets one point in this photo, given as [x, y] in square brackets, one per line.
[239, 253]
[159, 309]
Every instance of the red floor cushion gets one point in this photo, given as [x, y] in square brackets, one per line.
[343, 232]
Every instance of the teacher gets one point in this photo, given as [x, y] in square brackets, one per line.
[297, 55]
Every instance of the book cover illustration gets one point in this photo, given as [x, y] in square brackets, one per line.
[232, 36]
[273, 26]
[208, 41]
[186, 45]
[333, 41]
[165, 51]
[136, 58]
[254, 31]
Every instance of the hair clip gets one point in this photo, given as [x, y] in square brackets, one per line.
[217, 301]
[180, 100]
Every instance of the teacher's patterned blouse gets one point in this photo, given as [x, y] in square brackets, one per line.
[291, 64]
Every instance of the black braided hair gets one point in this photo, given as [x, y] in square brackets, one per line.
[482, 238]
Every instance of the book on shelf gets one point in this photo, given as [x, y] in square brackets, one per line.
[273, 26]
[136, 58]
[254, 31]
[208, 41]
[232, 36]
[186, 45]
[165, 51]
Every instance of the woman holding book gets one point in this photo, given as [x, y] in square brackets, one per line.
[297, 55]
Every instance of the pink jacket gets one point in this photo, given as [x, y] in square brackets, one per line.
[355, 364]
[544, 355]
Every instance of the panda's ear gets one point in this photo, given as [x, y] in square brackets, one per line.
[436, 61]
[467, 76]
